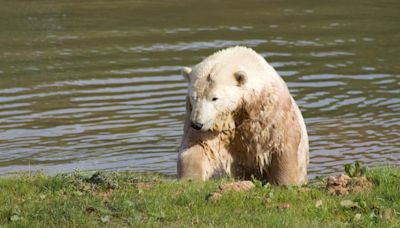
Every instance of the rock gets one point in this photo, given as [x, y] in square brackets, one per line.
[318, 203]
[349, 204]
[105, 219]
[357, 217]
[284, 206]
[214, 196]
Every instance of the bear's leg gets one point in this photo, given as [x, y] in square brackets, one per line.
[194, 164]
[285, 171]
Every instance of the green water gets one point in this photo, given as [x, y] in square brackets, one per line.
[97, 85]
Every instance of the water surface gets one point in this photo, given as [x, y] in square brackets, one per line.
[96, 84]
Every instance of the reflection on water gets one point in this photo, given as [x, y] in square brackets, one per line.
[96, 85]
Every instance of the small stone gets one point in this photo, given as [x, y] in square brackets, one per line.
[318, 203]
[105, 219]
[284, 206]
[349, 204]
[15, 218]
[214, 196]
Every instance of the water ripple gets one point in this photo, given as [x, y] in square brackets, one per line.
[104, 91]
[194, 46]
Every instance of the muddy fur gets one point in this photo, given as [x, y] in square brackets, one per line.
[264, 137]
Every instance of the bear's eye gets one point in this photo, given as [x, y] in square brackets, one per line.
[214, 98]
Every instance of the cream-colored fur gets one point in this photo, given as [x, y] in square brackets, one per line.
[250, 124]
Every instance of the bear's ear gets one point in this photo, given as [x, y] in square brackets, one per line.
[186, 73]
[241, 77]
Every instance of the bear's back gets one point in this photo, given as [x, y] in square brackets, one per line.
[226, 62]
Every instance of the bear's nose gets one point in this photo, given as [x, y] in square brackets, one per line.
[197, 126]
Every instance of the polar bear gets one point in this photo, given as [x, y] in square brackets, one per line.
[241, 121]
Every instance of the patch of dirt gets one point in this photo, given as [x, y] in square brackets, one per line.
[239, 186]
[361, 184]
[343, 184]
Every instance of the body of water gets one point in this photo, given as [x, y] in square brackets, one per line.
[96, 84]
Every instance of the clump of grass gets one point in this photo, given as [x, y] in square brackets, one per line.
[132, 199]
[90, 182]
[355, 170]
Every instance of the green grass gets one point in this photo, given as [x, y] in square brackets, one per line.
[117, 200]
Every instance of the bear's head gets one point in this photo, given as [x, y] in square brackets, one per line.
[215, 93]
[229, 85]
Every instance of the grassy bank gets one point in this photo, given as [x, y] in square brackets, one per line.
[129, 199]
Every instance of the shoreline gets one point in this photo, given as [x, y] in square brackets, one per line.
[109, 198]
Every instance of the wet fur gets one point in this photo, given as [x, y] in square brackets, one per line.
[264, 143]
[264, 137]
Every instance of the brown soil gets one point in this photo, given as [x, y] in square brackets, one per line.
[343, 184]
